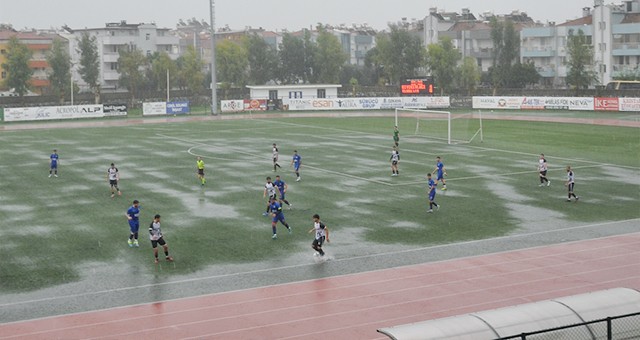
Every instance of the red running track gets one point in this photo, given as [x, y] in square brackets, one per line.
[354, 306]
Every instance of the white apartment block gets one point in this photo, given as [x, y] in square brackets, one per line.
[612, 30]
[470, 35]
[116, 36]
[356, 41]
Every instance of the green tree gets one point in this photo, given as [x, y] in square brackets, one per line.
[231, 65]
[468, 75]
[89, 66]
[523, 75]
[311, 63]
[329, 58]
[506, 49]
[159, 68]
[400, 53]
[17, 66]
[580, 73]
[373, 68]
[263, 60]
[60, 63]
[191, 70]
[354, 86]
[442, 59]
[131, 65]
[292, 60]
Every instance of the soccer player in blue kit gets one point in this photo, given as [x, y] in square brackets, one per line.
[53, 163]
[133, 216]
[296, 162]
[432, 193]
[440, 172]
[277, 215]
[282, 187]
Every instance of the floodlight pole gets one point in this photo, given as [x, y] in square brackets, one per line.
[71, 80]
[214, 99]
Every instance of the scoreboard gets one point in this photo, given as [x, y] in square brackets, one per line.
[414, 87]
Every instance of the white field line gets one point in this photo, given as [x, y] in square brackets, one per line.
[494, 175]
[472, 146]
[257, 156]
[266, 270]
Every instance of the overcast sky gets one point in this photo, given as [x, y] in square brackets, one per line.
[270, 14]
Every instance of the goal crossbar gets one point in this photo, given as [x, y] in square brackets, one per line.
[420, 114]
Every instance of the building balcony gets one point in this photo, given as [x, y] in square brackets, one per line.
[625, 49]
[622, 70]
[35, 82]
[537, 52]
[170, 40]
[535, 32]
[546, 71]
[483, 53]
[38, 64]
[111, 57]
[110, 75]
[120, 40]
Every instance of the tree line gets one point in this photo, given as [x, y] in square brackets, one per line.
[398, 55]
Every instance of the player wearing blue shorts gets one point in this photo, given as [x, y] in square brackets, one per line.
[440, 172]
[296, 162]
[282, 188]
[277, 215]
[133, 216]
[433, 186]
[53, 163]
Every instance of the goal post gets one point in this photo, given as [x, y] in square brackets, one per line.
[455, 128]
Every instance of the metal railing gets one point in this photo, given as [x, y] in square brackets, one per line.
[620, 327]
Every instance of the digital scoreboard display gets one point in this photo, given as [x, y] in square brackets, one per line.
[417, 87]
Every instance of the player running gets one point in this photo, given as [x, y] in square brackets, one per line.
[440, 172]
[395, 158]
[542, 169]
[133, 216]
[113, 177]
[433, 186]
[54, 159]
[156, 237]
[277, 215]
[274, 157]
[269, 189]
[282, 188]
[322, 234]
[296, 162]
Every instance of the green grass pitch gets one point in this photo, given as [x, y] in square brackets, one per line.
[52, 229]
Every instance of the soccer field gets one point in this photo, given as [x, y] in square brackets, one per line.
[57, 231]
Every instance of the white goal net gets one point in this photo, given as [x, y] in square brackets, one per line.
[454, 128]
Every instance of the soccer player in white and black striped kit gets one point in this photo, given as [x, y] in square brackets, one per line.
[322, 234]
[274, 156]
[114, 177]
[155, 234]
[570, 184]
[542, 168]
[395, 158]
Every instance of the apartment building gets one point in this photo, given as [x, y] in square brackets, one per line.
[39, 45]
[116, 36]
[613, 30]
[471, 35]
